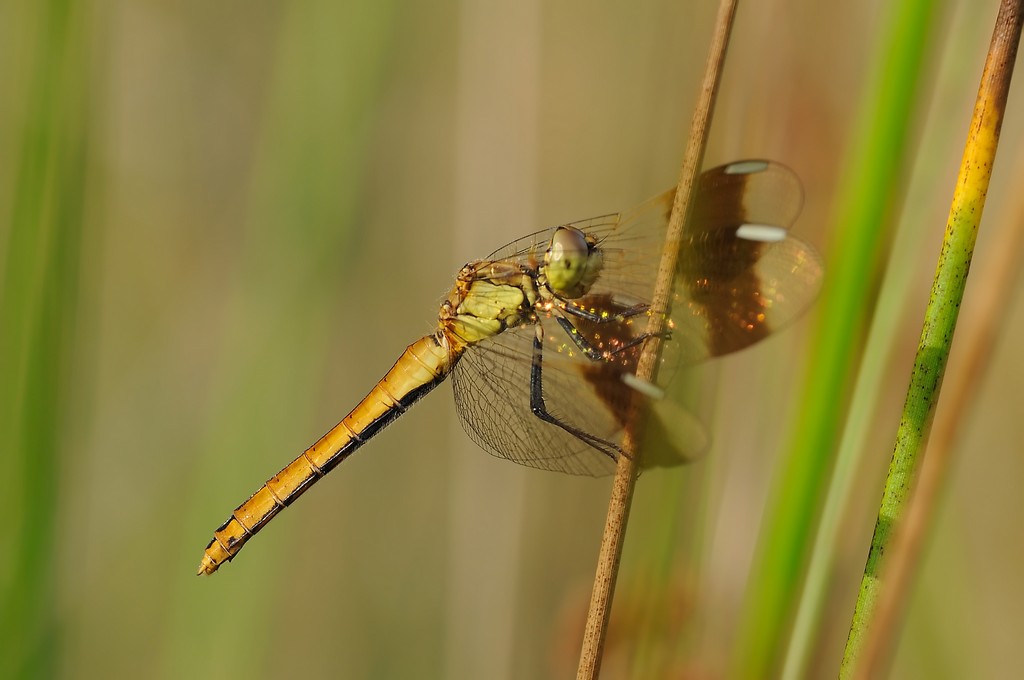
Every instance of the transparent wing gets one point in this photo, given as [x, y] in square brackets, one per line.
[492, 397]
[740, 276]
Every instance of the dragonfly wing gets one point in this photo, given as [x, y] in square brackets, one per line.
[752, 191]
[530, 249]
[492, 385]
[720, 310]
[741, 275]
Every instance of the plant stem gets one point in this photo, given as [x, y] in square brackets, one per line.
[625, 475]
[941, 314]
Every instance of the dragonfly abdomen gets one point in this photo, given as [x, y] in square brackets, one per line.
[423, 366]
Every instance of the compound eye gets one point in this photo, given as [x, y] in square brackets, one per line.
[566, 259]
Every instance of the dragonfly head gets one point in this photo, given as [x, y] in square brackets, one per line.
[572, 263]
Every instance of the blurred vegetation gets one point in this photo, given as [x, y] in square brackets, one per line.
[220, 224]
[882, 142]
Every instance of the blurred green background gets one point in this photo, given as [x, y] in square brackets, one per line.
[220, 224]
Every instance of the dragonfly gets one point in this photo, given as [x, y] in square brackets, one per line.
[542, 338]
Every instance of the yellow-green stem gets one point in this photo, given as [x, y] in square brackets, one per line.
[941, 314]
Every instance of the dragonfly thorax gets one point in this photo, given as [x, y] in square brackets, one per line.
[488, 297]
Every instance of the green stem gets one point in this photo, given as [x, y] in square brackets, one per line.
[941, 314]
[868, 191]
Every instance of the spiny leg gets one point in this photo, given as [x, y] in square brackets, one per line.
[595, 354]
[603, 317]
[539, 408]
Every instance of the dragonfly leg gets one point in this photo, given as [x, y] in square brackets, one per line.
[595, 354]
[603, 317]
[539, 408]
